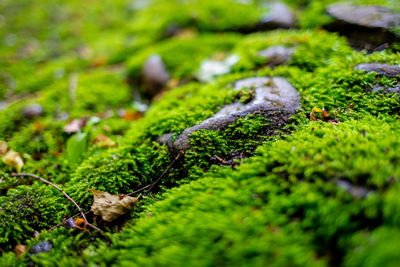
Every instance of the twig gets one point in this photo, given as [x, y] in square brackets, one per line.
[59, 189]
[181, 153]
[139, 190]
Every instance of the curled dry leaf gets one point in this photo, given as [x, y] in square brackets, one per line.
[110, 207]
[20, 249]
[313, 117]
[75, 125]
[14, 160]
[3, 147]
[325, 113]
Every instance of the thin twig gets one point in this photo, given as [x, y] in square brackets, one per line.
[139, 190]
[59, 189]
[181, 153]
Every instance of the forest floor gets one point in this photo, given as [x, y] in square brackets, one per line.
[199, 133]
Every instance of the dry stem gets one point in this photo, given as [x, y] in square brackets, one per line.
[59, 189]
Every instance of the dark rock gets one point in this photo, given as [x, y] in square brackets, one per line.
[384, 69]
[275, 98]
[277, 55]
[44, 246]
[32, 111]
[355, 191]
[366, 26]
[154, 76]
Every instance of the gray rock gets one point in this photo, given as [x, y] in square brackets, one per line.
[355, 191]
[154, 75]
[32, 111]
[368, 16]
[275, 98]
[366, 26]
[378, 88]
[44, 246]
[279, 16]
[277, 55]
[384, 69]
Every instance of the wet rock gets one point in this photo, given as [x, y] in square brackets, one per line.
[209, 69]
[45, 246]
[32, 111]
[366, 26]
[274, 98]
[277, 55]
[69, 224]
[384, 69]
[155, 76]
[355, 191]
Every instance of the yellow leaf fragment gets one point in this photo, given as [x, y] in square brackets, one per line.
[14, 160]
[3, 147]
[110, 207]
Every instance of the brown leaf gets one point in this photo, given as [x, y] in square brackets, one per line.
[14, 160]
[129, 115]
[20, 249]
[103, 141]
[110, 207]
[312, 114]
[3, 147]
[76, 125]
[325, 113]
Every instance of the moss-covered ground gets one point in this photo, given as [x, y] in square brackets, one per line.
[292, 199]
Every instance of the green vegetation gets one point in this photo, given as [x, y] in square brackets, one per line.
[309, 193]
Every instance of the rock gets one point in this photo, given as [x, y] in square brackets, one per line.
[355, 191]
[279, 16]
[69, 224]
[44, 246]
[366, 26]
[209, 69]
[383, 69]
[395, 89]
[277, 55]
[32, 111]
[155, 76]
[275, 98]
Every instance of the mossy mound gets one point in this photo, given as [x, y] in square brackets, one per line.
[318, 189]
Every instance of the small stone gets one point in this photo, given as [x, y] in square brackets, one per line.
[69, 224]
[355, 191]
[383, 69]
[279, 16]
[32, 111]
[277, 55]
[44, 246]
[367, 27]
[155, 76]
[274, 98]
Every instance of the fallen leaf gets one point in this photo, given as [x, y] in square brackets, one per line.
[3, 147]
[19, 250]
[312, 114]
[76, 125]
[14, 160]
[110, 207]
[103, 141]
[325, 114]
[80, 224]
[76, 146]
[129, 115]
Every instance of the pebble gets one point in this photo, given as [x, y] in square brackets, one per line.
[155, 76]
[383, 69]
[277, 55]
[44, 246]
[32, 111]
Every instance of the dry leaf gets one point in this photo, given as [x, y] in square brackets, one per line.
[129, 115]
[76, 125]
[103, 141]
[110, 207]
[3, 147]
[312, 114]
[13, 159]
[20, 249]
[325, 113]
